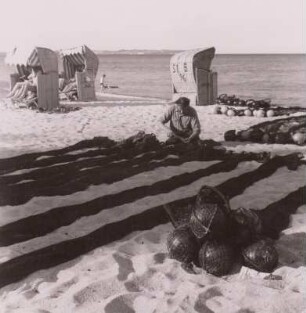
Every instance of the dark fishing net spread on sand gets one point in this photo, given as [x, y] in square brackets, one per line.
[141, 141]
[101, 161]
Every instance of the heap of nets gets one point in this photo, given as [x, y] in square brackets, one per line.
[215, 237]
[291, 130]
[231, 105]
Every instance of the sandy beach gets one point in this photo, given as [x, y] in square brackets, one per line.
[100, 211]
[115, 270]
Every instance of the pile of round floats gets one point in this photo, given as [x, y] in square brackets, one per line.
[230, 105]
[216, 237]
[230, 111]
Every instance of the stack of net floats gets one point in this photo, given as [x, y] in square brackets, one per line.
[231, 105]
[214, 237]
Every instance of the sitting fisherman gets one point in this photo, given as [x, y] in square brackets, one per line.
[184, 122]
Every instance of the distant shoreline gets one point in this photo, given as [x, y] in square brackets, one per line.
[168, 52]
[165, 52]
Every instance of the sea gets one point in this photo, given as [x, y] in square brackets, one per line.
[279, 77]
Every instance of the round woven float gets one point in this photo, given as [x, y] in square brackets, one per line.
[261, 256]
[182, 245]
[216, 258]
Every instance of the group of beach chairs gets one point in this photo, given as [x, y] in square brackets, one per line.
[37, 83]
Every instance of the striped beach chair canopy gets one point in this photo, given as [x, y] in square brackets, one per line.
[23, 57]
[184, 64]
[79, 59]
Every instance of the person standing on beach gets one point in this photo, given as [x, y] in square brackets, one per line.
[184, 122]
[102, 82]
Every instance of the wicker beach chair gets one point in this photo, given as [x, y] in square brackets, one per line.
[24, 59]
[192, 78]
[82, 64]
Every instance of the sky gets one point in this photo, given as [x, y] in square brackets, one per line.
[231, 26]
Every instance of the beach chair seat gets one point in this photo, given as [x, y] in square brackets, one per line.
[71, 94]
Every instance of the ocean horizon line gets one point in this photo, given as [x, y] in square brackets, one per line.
[166, 51]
